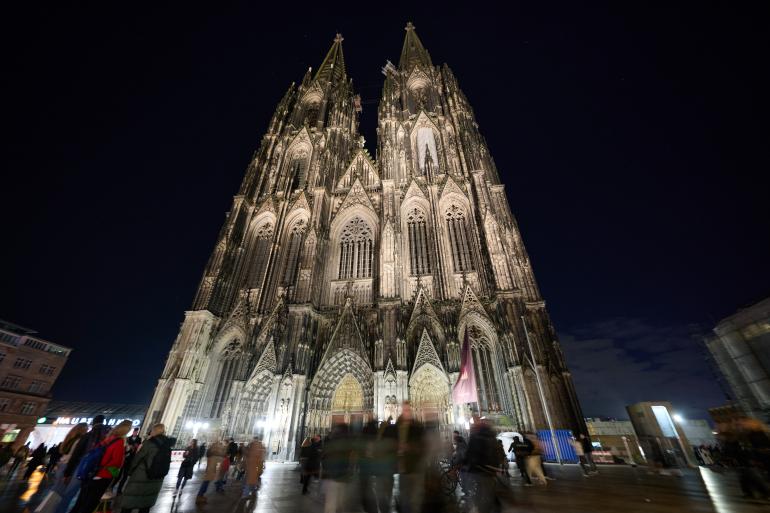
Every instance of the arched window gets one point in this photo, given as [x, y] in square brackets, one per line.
[484, 367]
[293, 248]
[356, 250]
[229, 369]
[298, 170]
[458, 239]
[260, 255]
[426, 148]
[419, 261]
[313, 109]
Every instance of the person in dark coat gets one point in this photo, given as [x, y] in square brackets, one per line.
[521, 450]
[312, 463]
[411, 460]
[53, 458]
[588, 449]
[189, 459]
[483, 460]
[337, 467]
[6, 453]
[141, 490]
[38, 455]
[133, 443]
[232, 451]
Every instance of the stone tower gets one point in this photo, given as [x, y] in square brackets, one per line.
[341, 285]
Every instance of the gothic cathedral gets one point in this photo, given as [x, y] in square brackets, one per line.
[341, 284]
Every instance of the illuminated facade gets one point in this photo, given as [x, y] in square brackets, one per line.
[341, 284]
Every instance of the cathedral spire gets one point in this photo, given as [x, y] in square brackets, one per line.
[413, 53]
[332, 68]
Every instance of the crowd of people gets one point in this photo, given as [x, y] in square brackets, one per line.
[400, 464]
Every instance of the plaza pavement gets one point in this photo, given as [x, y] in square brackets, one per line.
[616, 489]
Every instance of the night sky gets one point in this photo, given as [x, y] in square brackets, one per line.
[633, 144]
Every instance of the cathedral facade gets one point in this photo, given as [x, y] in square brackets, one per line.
[341, 284]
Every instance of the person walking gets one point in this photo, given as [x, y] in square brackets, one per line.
[521, 450]
[6, 453]
[503, 458]
[482, 459]
[232, 450]
[201, 453]
[54, 455]
[20, 456]
[337, 467]
[189, 458]
[578, 447]
[132, 446]
[411, 463]
[107, 468]
[214, 457]
[312, 463]
[59, 488]
[588, 448]
[254, 463]
[38, 455]
[385, 464]
[148, 469]
[70, 487]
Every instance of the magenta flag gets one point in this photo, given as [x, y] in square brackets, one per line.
[464, 390]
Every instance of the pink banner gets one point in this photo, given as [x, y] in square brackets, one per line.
[464, 390]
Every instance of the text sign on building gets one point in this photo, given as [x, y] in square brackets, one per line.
[107, 422]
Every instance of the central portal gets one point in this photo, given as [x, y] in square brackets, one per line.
[348, 403]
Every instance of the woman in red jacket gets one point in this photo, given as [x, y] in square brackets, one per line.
[92, 490]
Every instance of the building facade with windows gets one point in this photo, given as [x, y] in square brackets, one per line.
[29, 366]
[740, 346]
[341, 285]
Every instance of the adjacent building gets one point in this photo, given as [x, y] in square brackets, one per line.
[29, 366]
[614, 440]
[740, 346]
[61, 416]
[342, 283]
[660, 434]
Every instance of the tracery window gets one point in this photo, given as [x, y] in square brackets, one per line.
[484, 368]
[260, 254]
[293, 248]
[313, 110]
[457, 226]
[298, 170]
[356, 250]
[419, 260]
[229, 367]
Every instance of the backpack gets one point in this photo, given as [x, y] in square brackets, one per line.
[90, 463]
[161, 461]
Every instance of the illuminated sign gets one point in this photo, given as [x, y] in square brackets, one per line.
[41, 420]
[71, 421]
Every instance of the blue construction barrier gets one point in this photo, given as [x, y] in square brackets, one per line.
[563, 437]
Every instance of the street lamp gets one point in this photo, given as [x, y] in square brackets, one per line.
[677, 418]
[194, 425]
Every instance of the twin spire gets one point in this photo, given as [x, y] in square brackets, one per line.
[413, 53]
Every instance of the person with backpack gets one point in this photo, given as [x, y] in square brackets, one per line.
[99, 467]
[133, 443]
[148, 469]
[68, 487]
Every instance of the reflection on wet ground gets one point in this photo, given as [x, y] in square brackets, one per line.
[615, 489]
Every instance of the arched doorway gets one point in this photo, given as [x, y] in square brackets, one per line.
[429, 395]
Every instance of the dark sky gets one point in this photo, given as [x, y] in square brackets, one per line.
[633, 143]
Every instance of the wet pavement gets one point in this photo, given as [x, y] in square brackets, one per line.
[614, 489]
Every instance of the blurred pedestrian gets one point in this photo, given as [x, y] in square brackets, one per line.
[54, 496]
[483, 462]
[38, 456]
[385, 464]
[521, 450]
[578, 447]
[53, 458]
[6, 453]
[149, 468]
[189, 458]
[214, 457]
[458, 461]
[20, 456]
[337, 467]
[232, 450]
[411, 463]
[367, 466]
[96, 479]
[588, 449]
[201, 453]
[70, 488]
[254, 464]
[132, 446]
[312, 464]
[503, 457]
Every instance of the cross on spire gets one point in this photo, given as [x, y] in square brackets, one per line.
[409, 26]
[338, 38]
